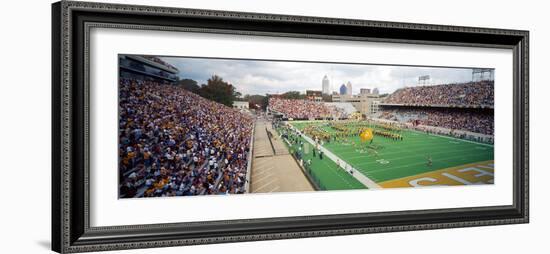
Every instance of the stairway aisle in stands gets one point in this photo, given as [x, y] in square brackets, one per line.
[273, 168]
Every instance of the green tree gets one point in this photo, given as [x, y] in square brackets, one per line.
[256, 101]
[216, 89]
[293, 95]
[189, 85]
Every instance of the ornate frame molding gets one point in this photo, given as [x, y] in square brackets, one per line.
[71, 23]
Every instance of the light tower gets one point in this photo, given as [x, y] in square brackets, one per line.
[482, 74]
[349, 88]
[424, 80]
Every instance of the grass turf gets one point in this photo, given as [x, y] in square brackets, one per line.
[325, 172]
[397, 159]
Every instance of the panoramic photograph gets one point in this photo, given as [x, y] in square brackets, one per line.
[190, 126]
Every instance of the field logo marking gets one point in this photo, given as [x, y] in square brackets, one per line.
[480, 171]
[460, 180]
[469, 174]
[416, 182]
[383, 161]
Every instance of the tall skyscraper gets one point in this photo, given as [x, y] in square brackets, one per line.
[343, 89]
[326, 85]
[349, 88]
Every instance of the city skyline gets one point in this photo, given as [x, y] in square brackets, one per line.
[275, 77]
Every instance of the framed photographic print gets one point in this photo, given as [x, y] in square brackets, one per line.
[181, 126]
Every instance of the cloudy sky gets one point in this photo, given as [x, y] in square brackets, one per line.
[261, 77]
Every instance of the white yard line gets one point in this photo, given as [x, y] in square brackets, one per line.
[420, 142]
[407, 157]
[417, 131]
[389, 154]
[356, 173]
[420, 163]
[453, 138]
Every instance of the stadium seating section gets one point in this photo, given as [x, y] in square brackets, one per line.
[173, 142]
[466, 106]
[305, 109]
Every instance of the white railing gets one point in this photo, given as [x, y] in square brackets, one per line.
[249, 166]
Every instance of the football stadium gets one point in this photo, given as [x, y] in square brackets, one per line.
[179, 138]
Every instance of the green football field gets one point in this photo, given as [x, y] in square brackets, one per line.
[394, 159]
[326, 173]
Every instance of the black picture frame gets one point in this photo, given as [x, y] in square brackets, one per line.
[71, 22]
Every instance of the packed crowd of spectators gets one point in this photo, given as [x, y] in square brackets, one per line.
[174, 143]
[472, 94]
[473, 121]
[295, 108]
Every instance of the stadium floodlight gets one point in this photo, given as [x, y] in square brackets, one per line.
[424, 80]
[481, 74]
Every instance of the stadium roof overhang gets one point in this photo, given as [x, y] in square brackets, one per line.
[153, 64]
[148, 74]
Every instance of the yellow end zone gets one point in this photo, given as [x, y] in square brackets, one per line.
[473, 173]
